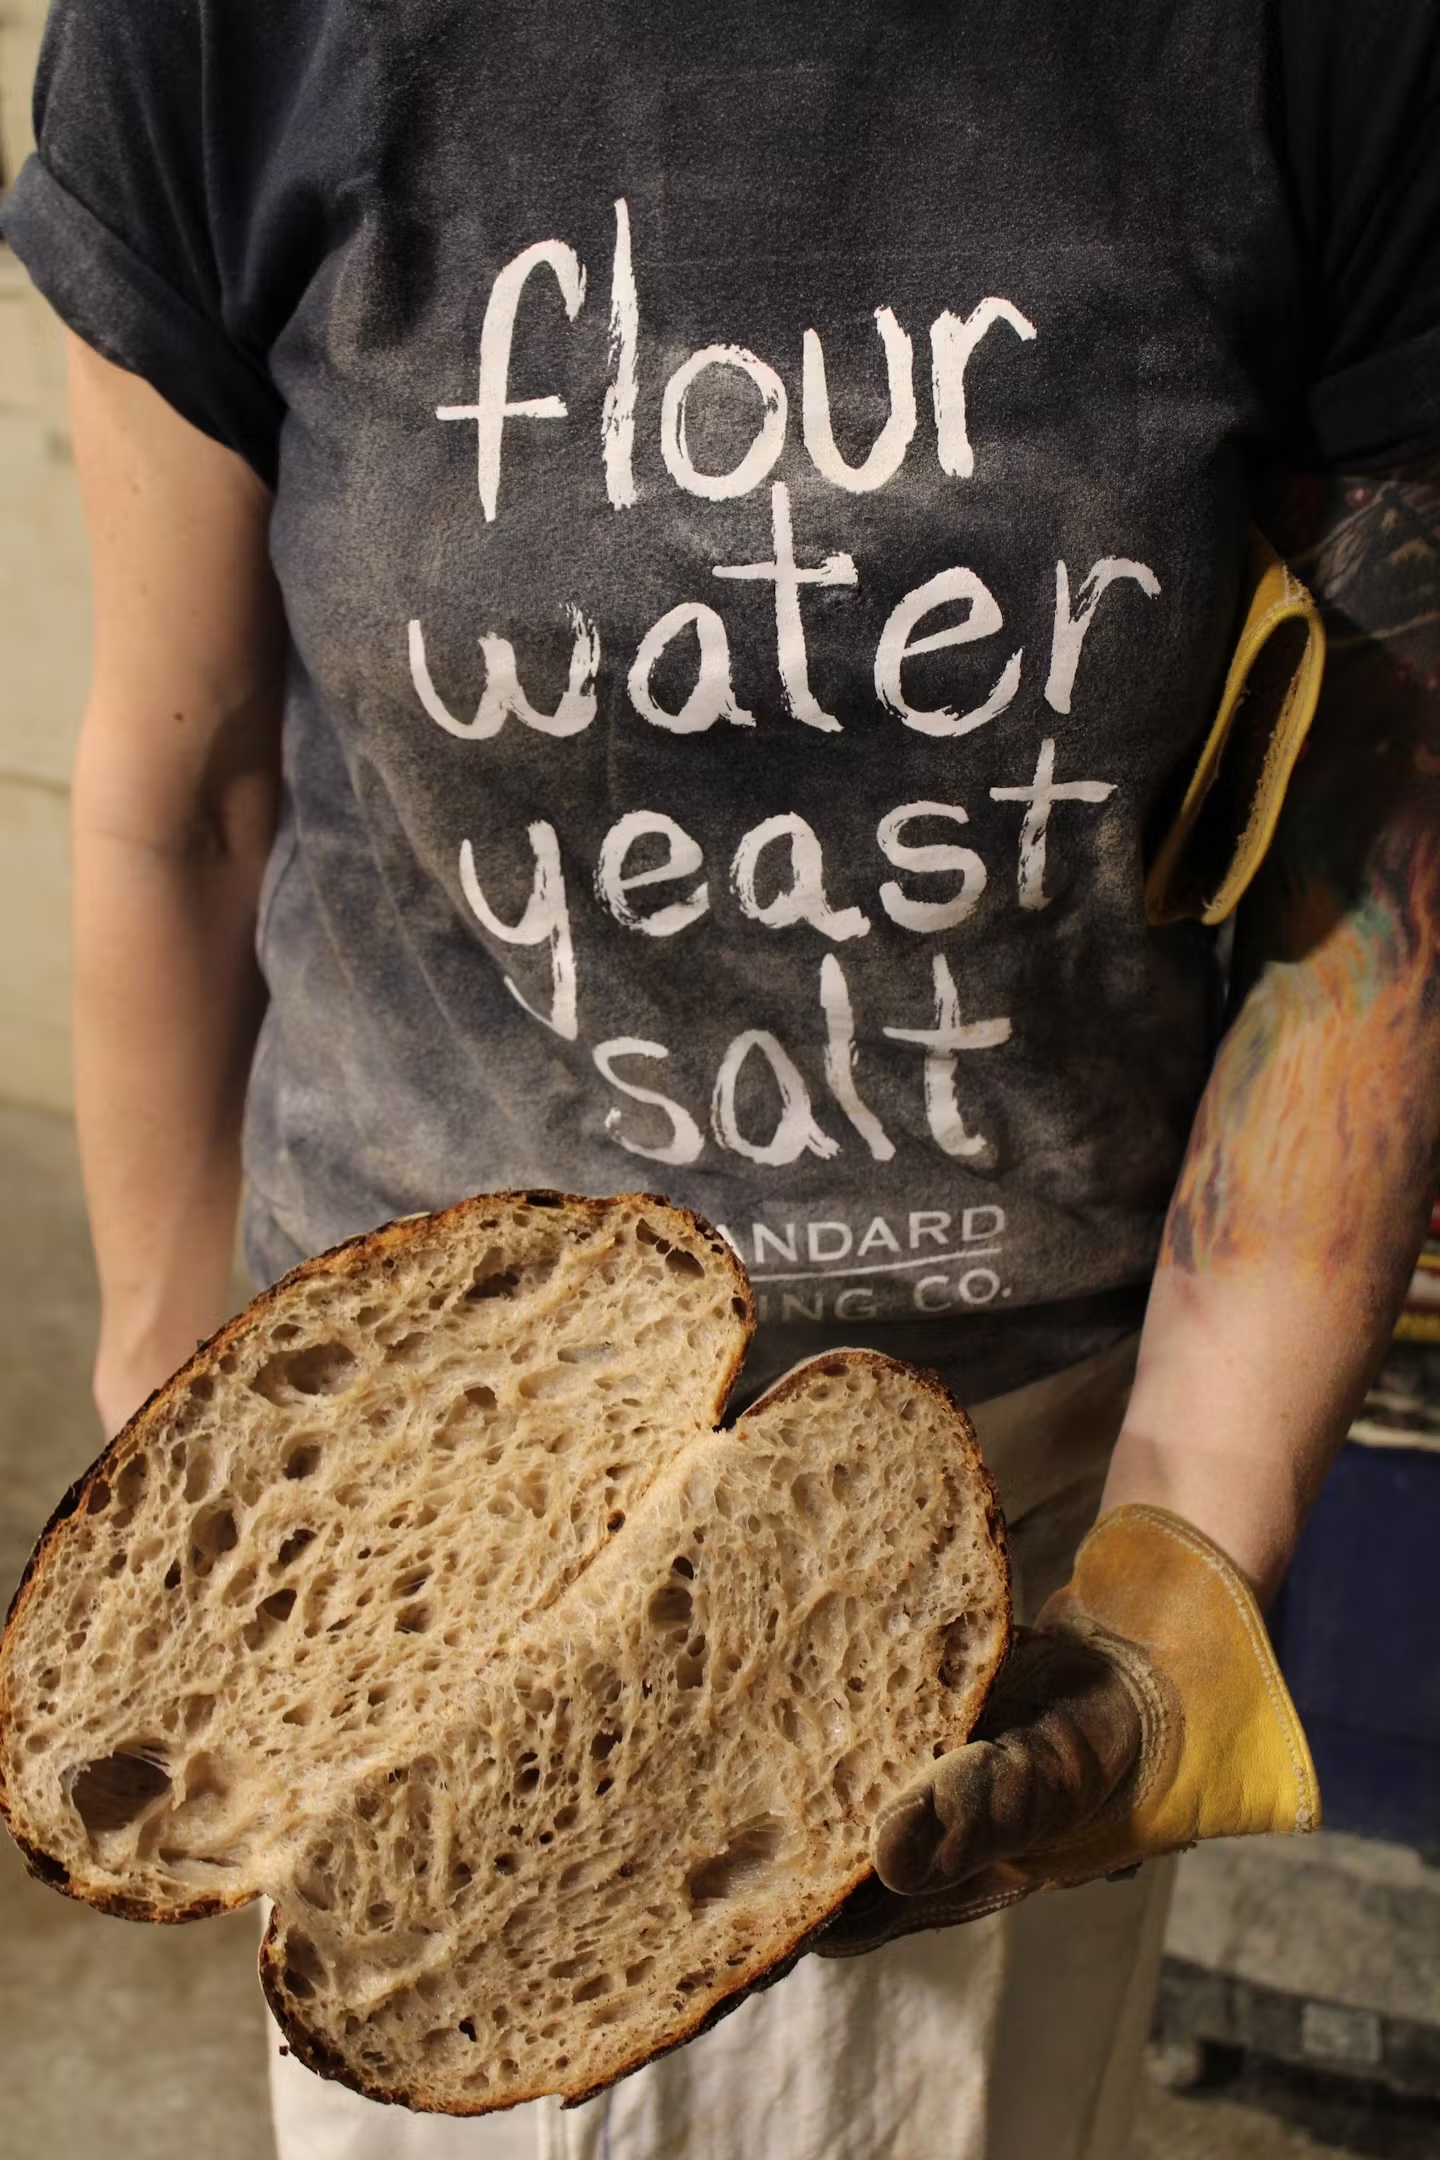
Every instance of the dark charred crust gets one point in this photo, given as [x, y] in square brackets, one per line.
[120, 1907]
[114, 1903]
[43, 1867]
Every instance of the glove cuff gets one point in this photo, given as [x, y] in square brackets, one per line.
[1225, 1754]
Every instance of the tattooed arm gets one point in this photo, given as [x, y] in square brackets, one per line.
[1302, 1201]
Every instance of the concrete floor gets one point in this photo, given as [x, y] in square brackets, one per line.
[120, 2041]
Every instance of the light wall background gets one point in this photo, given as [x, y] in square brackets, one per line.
[44, 638]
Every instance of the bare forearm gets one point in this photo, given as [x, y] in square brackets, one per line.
[1253, 1364]
[1305, 1189]
[168, 1000]
[174, 799]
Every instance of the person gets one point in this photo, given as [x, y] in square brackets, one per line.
[658, 574]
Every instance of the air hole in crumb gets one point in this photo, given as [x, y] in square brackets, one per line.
[293, 1546]
[99, 1498]
[604, 1743]
[808, 1494]
[458, 1416]
[412, 1620]
[197, 1712]
[116, 1791]
[324, 1368]
[172, 1576]
[616, 1521]
[505, 1863]
[640, 1970]
[301, 1956]
[649, 1235]
[467, 2026]
[683, 1566]
[212, 1533]
[129, 1485]
[683, 1263]
[303, 1461]
[499, 1283]
[670, 1607]
[272, 1612]
[316, 1888]
[199, 1474]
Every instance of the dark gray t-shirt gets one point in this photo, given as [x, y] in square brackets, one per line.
[760, 499]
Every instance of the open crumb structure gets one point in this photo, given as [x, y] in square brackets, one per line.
[429, 1600]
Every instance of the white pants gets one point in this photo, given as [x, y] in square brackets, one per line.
[1018, 2037]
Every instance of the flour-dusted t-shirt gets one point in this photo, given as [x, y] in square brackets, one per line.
[760, 498]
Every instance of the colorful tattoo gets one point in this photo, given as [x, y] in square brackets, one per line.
[1316, 1140]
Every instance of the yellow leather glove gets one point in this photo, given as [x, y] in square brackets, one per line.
[1144, 1710]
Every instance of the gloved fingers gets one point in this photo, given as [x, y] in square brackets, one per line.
[873, 1916]
[1064, 1731]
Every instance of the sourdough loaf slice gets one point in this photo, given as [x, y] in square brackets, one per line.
[428, 1600]
[667, 1782]
[355, 1489]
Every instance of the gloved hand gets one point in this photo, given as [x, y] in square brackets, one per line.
[1144, 1710]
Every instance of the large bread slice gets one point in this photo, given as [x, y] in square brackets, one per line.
[428, 1600]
